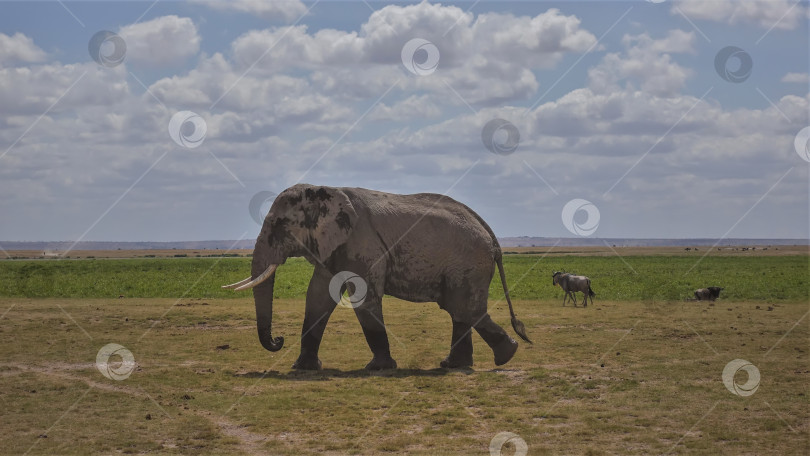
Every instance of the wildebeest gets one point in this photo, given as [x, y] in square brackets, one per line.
[571, 284]
[709, 294]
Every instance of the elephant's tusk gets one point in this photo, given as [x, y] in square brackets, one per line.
[264, 276]
[240, 283]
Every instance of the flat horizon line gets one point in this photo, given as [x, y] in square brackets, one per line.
[506, 241]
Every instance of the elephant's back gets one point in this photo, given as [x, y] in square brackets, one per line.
[432, 243]
[439, 221]
[376, 198]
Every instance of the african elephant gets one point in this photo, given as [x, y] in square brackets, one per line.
[420, 248]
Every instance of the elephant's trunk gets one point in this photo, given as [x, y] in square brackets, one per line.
[263, 298]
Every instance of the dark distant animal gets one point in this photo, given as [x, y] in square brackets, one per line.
[708, 294]
[571, 284]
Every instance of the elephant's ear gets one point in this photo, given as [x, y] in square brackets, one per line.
[334, 217]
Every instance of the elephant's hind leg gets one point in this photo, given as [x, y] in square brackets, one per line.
[461, 348]
[503, 346]
[469, 307]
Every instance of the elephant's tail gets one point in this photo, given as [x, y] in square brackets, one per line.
[517, 325]
[497, 253]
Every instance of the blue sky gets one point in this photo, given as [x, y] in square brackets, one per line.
[616, 103]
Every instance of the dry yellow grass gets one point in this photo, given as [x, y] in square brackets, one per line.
[615, 378]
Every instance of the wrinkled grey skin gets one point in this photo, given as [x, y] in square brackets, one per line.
[708, 294]
[420, 248]
[571, 284]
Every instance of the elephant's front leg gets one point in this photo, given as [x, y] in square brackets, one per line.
[318, 309]
[371, 320]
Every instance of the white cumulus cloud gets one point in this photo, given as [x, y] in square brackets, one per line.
[646, 61]
[286, 10]
[796, 77]
[767, 14]
[487, 58]
[33, 90]
[163, 41]
[19, 48]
